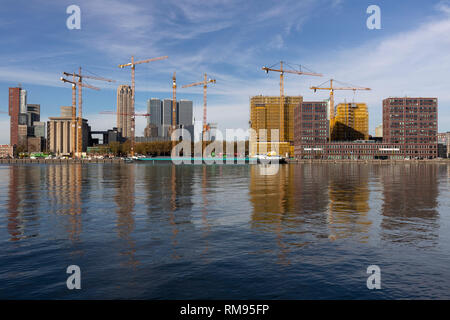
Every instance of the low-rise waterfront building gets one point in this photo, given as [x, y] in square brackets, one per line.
[365, 150]
[6, 151]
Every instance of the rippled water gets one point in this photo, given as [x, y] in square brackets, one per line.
[225, 232]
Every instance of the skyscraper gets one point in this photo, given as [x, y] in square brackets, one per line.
[124, 101]
[161, 115]
[34, 114]
[14, 110]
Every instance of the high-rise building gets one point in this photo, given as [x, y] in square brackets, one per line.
[23, 116]
[161, 116]
[351, 122]
[311, 122]
[124, 101]
[34, 114]
[23, 101]
[410, 120]
[14, 110]
[59, 134]
[265, 114]
[154, 108]
[185, 112]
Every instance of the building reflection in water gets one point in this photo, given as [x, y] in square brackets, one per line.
[125, 201]
[206, 226]
[307, 202]
[23, 202]
[349, 202]
[64, 185]
[272, 197]
[409, 212]
[168, 199]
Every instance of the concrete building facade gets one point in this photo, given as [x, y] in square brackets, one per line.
[59, 135]
[124, 105]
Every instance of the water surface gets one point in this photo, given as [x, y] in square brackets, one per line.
[143, 231]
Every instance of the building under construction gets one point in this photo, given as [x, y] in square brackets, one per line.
[350, 123]
[265, 113]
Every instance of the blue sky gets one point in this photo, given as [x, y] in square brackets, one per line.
[229, 40]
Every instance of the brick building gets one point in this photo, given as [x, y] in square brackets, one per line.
[410, 120]
[14, 109]
[409, 132]
[311, 123]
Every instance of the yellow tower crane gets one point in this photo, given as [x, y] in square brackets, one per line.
[205, 83]
[133, 64]
[75, 84]
[80, 104]
[282, 71]
[330, 87]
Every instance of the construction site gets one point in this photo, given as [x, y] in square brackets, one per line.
[284, 126]
[308, 120]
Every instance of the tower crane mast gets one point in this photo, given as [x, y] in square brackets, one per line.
[205, 83]
[282, 71]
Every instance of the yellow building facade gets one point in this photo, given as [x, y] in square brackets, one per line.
[351, 122]
[265, 114]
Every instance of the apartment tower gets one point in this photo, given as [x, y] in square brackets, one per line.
[124, 112]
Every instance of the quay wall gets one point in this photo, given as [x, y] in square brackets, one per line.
[58, 161]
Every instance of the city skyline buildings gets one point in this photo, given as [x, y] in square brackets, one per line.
[161, 115]
[359, 55]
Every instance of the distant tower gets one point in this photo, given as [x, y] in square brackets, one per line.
[124, 110]
[14, 110]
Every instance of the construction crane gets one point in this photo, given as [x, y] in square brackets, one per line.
[282, 71]
[174, 100]
[205, 83]
[76, 149]
[331, 88]
[133, 64]
[80, 102]
[125, 114]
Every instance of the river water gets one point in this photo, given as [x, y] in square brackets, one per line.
[144, 231]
